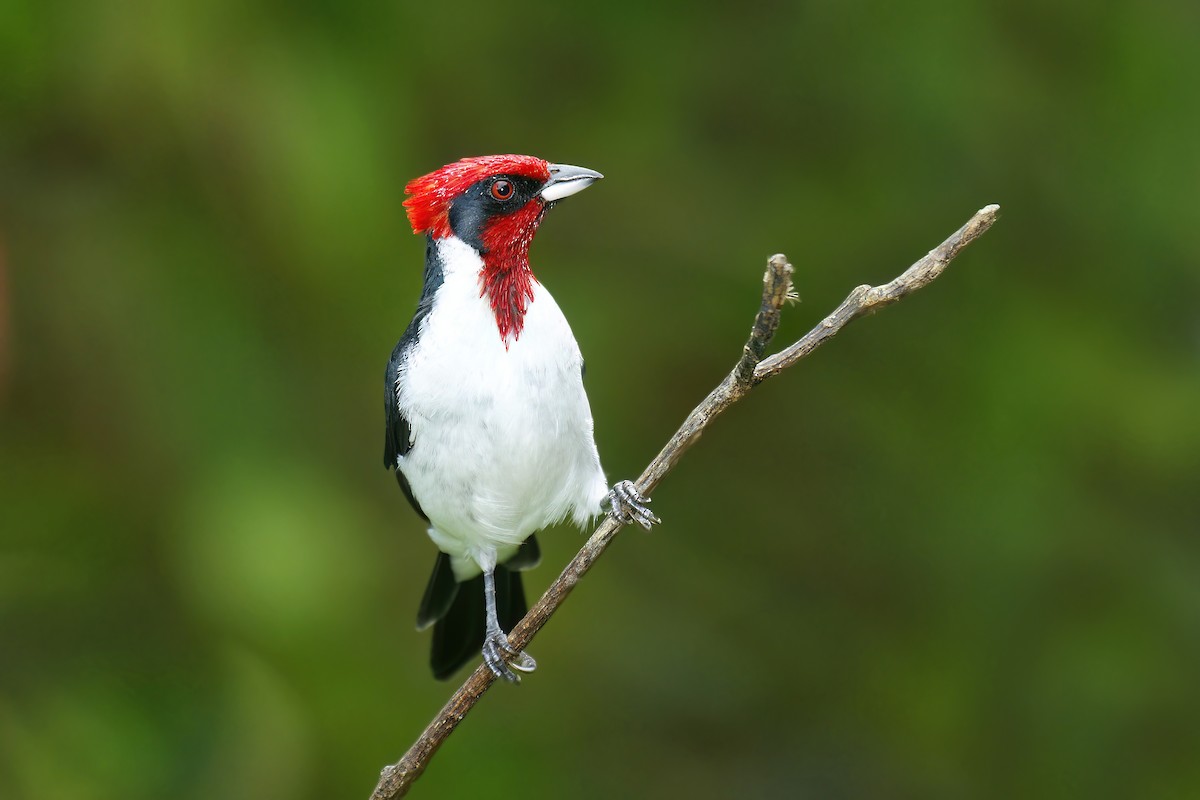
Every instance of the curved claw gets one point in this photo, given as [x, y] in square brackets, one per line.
[628, 505]
[523, 662]
[498, 653]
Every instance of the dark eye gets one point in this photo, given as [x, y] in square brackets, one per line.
[502, 190]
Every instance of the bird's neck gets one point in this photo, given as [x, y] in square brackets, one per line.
[504, 276]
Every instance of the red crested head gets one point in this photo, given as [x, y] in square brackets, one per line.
[495, 204]
[430, 196]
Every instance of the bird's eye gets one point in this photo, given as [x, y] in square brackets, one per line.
[502, 190]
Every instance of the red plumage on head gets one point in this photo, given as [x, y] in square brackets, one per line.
[430, 196]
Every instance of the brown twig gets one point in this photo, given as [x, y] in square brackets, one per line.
[751, 370]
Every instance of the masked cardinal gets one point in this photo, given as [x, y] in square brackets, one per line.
[489, 430]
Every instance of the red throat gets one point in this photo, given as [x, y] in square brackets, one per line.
[506, 278]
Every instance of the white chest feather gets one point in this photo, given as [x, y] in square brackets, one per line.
[502, 435]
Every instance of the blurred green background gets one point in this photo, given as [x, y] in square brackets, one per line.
[952, 555]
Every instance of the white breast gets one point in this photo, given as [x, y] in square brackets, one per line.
[502, 436]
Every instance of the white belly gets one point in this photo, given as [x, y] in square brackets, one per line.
[502, 436]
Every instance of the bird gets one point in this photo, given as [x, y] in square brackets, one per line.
[488, 427]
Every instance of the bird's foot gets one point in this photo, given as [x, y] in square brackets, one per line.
[502, 658]
[627, 505]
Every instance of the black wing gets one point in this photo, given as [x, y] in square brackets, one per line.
[397, 437]
[397, 440]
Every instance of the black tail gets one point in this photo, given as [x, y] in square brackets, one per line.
[458, 614]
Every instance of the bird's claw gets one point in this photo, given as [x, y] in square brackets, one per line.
[501, 658]
[627, 505]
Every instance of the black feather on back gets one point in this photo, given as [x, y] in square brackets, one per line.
[397, 439]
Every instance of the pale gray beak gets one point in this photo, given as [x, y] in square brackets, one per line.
[566, 180]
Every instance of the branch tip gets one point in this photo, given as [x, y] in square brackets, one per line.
[777, 282]
[866, 299]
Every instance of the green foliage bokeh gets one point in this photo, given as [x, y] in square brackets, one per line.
[952, 555]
